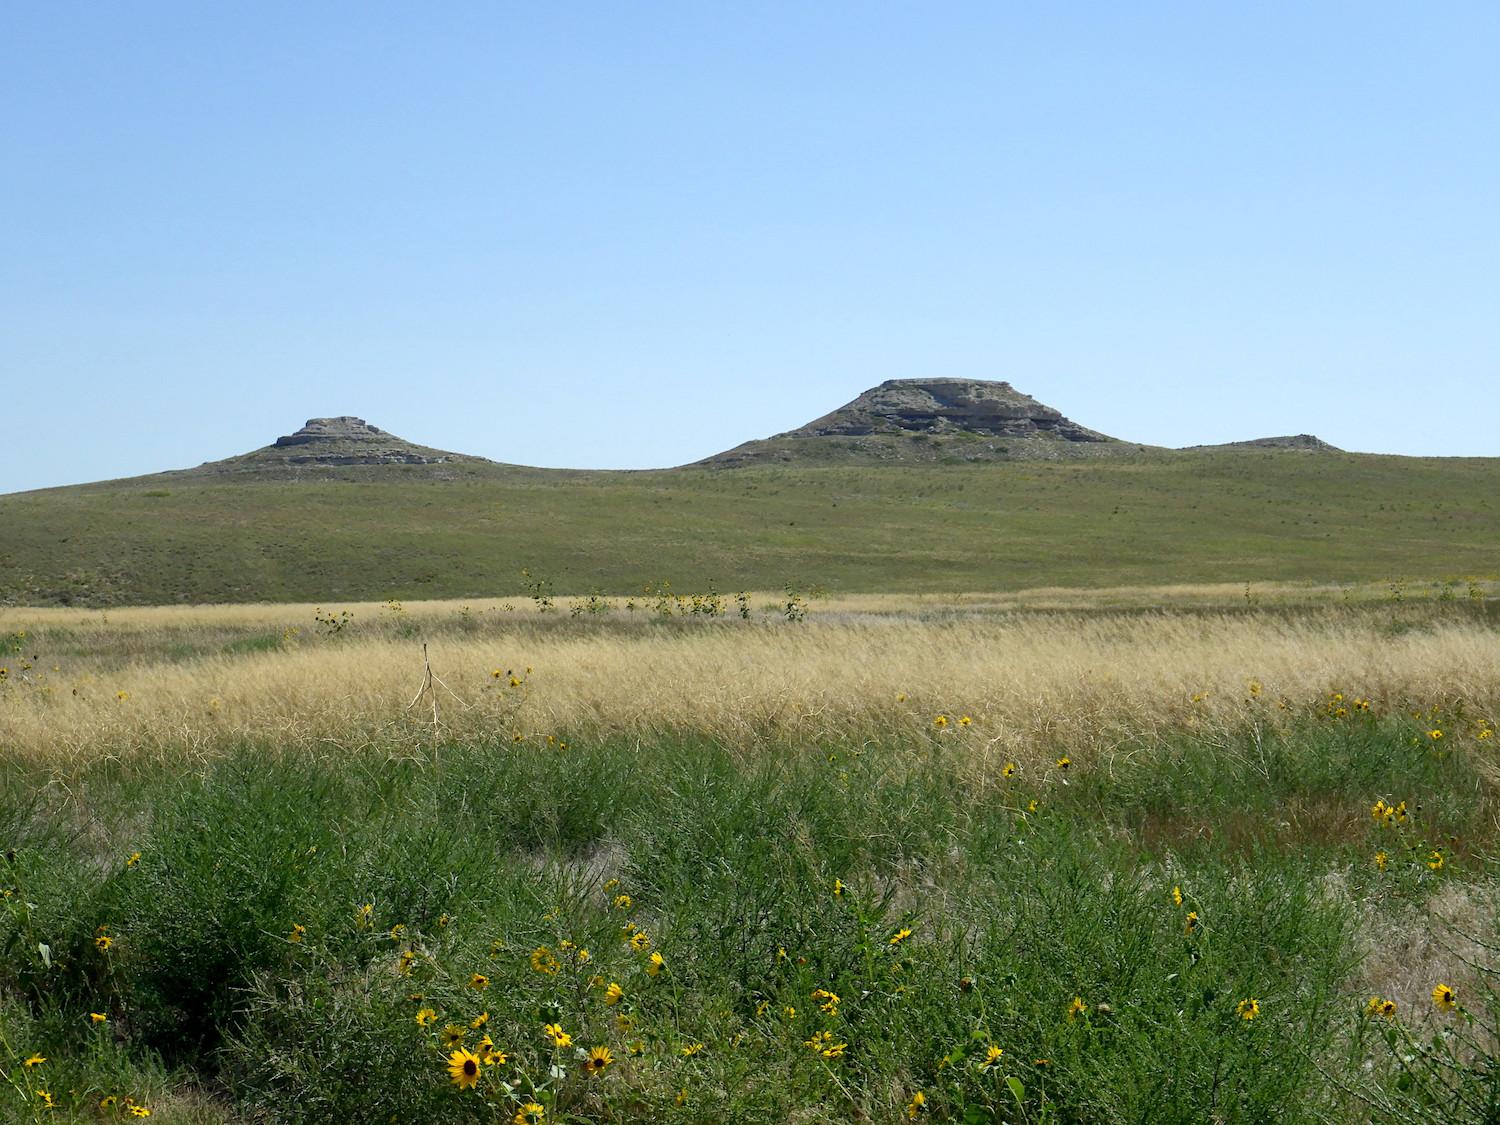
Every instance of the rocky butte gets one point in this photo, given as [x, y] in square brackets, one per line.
[324, 446]
[899, 421]
[933, 420]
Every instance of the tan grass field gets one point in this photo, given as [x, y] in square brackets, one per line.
[1032, 672]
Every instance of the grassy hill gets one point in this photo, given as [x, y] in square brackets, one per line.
[399, 531]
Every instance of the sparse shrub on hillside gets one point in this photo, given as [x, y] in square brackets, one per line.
[595, 605]
[332, 624]
[710, 604]
[795, 606]
[539, 590]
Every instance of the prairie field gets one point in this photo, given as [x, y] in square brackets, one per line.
[1183, 853]
[1152, 519]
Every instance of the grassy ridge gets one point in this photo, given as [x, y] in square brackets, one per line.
[1183, 517]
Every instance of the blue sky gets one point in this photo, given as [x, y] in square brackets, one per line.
[633, 235]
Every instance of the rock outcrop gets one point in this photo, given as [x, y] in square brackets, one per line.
[932, 420]
[347, 440]
[947, 406]
[341, 443]
[1303, 443]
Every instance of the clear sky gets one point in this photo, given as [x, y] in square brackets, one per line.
[631, 235]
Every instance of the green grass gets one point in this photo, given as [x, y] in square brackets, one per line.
[1151, 519]
[481, 854]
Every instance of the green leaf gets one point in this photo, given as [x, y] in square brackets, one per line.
[1017, 1089]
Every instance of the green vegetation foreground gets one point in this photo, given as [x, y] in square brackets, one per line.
[854, 862]
[1285, 924]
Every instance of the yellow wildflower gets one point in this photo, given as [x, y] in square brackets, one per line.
[1444, 998]
[464, 1069]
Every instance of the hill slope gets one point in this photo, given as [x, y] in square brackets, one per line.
[1237, 515]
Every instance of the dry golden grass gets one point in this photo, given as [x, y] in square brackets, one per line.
[145, 679]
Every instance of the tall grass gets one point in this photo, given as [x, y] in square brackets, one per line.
[1029, 682]
[1152, 878]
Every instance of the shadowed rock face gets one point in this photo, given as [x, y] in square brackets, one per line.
[947, 406]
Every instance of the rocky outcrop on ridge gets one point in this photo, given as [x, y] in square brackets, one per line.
[948, 406]
[344, 442]
[932, 420]
[1304, 443]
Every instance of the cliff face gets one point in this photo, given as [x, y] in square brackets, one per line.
[947, 406]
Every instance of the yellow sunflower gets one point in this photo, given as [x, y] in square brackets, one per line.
[464, 1069]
